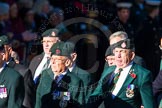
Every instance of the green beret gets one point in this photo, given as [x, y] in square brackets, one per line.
[62, 49]
[4, 40]
[124, 44]
[50, 33]
[109, 51]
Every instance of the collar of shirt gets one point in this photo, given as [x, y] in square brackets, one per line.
[127, 67]
[40, 66]
[72, 67]
[1, 69]
[60, 76]
[122, 78]
[46, 55]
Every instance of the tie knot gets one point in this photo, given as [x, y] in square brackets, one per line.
[48, 58]
[120, 69]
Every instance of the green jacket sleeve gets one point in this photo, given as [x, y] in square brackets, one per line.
[146, 91]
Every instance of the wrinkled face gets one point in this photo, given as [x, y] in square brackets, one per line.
[48, 42]
[58, 63]
[123, 15]
[123, 57]
[110, 60]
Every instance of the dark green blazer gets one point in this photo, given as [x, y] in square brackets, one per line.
[13, 82]
[87, 79]
[69, 83]
[139, 77]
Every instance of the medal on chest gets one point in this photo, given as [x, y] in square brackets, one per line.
[3, 92]
[130, 91]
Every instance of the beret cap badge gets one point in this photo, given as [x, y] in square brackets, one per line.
[53, 34]
[123, 45]
[58, 51]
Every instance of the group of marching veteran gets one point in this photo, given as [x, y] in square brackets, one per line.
[131, 78]
[54, 80]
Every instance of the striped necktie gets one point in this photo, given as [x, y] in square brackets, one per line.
[115, 79]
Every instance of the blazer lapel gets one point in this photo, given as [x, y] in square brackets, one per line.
[48, 80]
[36, 63]
[130, 78]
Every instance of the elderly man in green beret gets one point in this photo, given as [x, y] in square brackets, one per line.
[126, 85]
[58, 87]
[50, 37]
[11, 84]
[37, 65]
[84, 75]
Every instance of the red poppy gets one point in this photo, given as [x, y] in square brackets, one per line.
[133, 75]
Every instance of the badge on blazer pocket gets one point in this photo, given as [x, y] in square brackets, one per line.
[130, 90]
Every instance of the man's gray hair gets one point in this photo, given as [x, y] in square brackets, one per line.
[123, 35]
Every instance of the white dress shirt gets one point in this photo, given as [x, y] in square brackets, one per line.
[122, 78]
[40, 66]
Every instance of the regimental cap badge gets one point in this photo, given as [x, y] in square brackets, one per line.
[53, 34]
[58, 51]
[123, 45]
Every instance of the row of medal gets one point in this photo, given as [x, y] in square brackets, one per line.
[64, 97]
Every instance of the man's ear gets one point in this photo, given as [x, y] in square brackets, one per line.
[74, 56]
[67, 63]
[132, 55]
